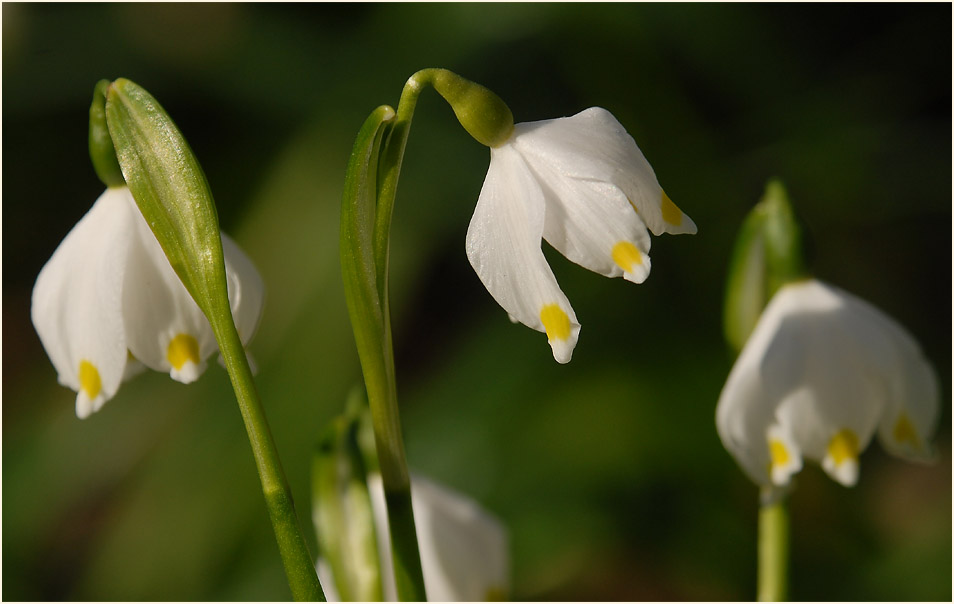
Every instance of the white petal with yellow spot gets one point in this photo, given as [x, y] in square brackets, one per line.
[108, 303]
[77, 302]
[592, 145]
[822, 372]
[582, 184]
[503, 245]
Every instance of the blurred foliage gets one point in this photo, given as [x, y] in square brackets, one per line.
[608, 471]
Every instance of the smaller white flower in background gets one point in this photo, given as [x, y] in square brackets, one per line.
[108, 302]
[463, 548]
[822, 372]
[582, 184]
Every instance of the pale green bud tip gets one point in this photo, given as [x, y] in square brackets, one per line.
[481, 112]
[101, 150]
[784, 242]
[769, 252]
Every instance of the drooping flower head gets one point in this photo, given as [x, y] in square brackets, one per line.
[582, 184]
[822, 372]
[819, 370]
[108, 302]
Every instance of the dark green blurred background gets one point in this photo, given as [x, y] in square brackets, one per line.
[608, 471]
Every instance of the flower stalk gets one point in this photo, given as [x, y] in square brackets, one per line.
[773, 551]
[171, 191]
[367, 207]
[365, 227]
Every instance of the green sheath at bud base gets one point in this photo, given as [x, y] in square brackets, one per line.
[101, 149]
[481, 112]
[341, 506]
[769, 252]
[171, 191]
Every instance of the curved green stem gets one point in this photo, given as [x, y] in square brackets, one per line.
[392, 157]
[382, 388]
[365, 225]
[367, 207]
[773, 551]
[299, 566]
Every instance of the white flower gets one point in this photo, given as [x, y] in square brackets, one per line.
[823, 371]
[108, 302]
[463, 548]
[582, 184]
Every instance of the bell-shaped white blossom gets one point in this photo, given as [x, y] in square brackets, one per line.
[821, 373]
[463, 548]
[582, 184]
[108, 302]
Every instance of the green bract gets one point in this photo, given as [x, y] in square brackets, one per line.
[341, 508]
[769, 252]
[172, 194]
[171, 191]
[101, 149]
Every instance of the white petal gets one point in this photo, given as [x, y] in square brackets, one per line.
[326, 579]
[164, 327]
[785, 455]
[593, 145]
[911, 411]
[593, 224]
[834, 369]
[463, 548]
[745, 411]
[835, 397]
[503, 245]
[77, 302]
[246, 289]
[464, 555]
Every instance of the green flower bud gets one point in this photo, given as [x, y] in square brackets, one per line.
[769, 252]
[482, 113]
[101, 149]
[171, 191]
[341, 506]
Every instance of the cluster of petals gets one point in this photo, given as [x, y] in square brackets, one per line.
[464, 555]
[582, 184]
[108, 303]
[821, 373]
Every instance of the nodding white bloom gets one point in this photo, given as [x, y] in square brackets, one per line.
[582, 184]
[463, 548]
[822, 372]
[108, 302]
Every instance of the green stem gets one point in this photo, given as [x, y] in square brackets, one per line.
[773, 551]
[299, 566]
[391, 161]
[381, 382]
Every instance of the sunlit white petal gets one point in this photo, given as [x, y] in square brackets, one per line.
[464, 555]
[583, 185]
[911, 410]
[593, 145]
[77, 302]
[165, 328]
[503, 245]
[745, 411]
[825, 370]
[593, 224]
